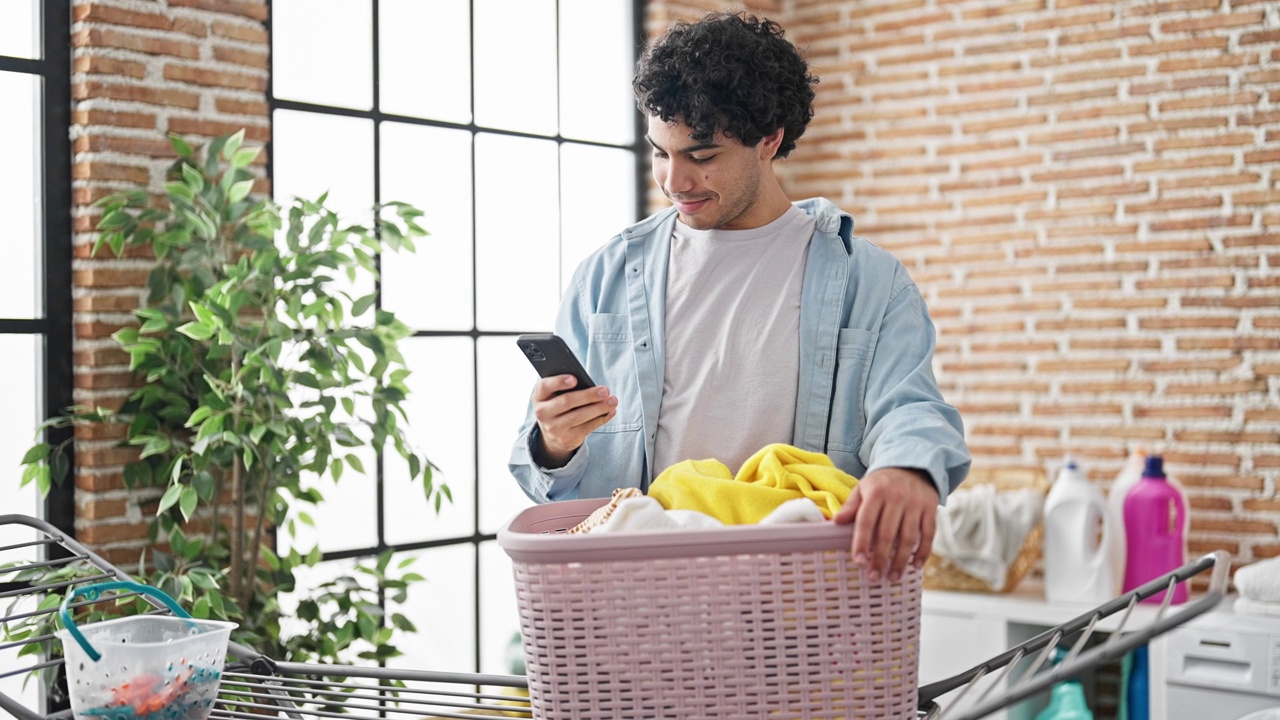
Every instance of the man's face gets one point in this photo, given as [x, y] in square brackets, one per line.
[716, 184]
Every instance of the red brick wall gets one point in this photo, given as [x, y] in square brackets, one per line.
[1088, 194]
[140, 70]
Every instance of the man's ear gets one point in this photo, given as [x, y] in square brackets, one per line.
[770, 143]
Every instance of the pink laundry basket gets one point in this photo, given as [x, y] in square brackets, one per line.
[745, 621]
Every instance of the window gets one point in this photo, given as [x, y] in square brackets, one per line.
[35, 279]
[511, 125]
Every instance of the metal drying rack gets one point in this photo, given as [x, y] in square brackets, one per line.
[255, 686]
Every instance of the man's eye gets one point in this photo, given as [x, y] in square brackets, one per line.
[702, 160]
[659, 155]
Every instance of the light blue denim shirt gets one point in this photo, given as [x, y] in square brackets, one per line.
[866, 395]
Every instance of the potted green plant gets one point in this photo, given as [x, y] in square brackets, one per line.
[257, 370]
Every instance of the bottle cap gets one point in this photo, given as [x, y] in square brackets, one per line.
[1154, 467]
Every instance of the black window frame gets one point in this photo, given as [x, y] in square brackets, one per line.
[375, 114]
[55, 323]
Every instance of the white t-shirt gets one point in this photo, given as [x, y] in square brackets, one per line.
[732, 340]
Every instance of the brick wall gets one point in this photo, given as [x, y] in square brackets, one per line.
[141, 69]
[1088, 194]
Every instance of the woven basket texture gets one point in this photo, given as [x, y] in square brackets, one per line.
[941, 574]
[779, 635]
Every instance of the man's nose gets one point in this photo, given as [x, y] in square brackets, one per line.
[679, 179]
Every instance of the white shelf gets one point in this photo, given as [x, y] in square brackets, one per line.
[1026, 606]
[960, 630]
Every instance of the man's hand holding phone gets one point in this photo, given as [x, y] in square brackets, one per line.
[566, 403]
[567, 416]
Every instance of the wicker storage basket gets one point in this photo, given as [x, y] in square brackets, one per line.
[941, 574]
[741, 621]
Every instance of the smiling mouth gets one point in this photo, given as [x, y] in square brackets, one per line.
[688, 206]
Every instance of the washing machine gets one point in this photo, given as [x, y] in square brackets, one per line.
[1223, 666]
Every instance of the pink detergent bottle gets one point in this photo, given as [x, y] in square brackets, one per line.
[1154, 518]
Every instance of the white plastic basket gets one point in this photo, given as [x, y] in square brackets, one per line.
[744, 621]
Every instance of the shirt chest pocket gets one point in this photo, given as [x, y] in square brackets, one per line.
[848, 406]
[611, 362]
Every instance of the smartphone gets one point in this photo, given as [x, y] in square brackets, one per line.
[551, 356]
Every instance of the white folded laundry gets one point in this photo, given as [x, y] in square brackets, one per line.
[1260, 581]
[796, 510]
[1245, 606]
[636, 514]
[981, 531]
[645, 514]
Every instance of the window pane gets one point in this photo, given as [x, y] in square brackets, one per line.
[345, 519]
[596, 62]
[314, 154]
[499, 618]
[22, 688]
[431, 169]
[442, 608]
[441, 424]
[425, 51]
[505, 383]
[20, 202]
[306, 582]
[19, 31]
[322, 52]
[517, 233]
[515, 61]
[19, 415]
[599, 185]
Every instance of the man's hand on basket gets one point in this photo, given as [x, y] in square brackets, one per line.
[894, 512]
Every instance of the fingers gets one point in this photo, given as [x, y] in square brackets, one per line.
[894, 513]
[887, 532]
[566, 417]
[928, 526]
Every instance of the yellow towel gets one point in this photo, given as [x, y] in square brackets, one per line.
[774, 475]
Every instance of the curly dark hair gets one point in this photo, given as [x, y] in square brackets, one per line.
[731, 72]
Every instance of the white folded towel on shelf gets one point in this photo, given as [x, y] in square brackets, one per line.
[981, 531]
[1260, 581]
[1245, 606]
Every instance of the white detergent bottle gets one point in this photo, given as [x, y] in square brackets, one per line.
[1077, 537]
[1129, 476]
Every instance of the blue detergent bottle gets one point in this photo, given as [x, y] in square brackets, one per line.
[1138, 692]
[1066, 699]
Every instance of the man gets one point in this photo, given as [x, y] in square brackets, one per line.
[737, 319]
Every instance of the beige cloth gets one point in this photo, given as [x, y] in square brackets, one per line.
[602, 513]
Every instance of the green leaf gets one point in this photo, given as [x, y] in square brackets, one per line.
[36, 453]
[187, 502]
[59, 466]
[180, 146]
[197, 331]
[192, 177]
[232, 144]
[361, 306]
[198, 416]
[203, 483]
[244, 157]
[157, 445]
[203, 313]
[355, 463]
[335, 469]
[169, 499]
[239, 191]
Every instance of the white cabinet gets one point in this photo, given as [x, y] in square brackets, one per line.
[960, 630]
